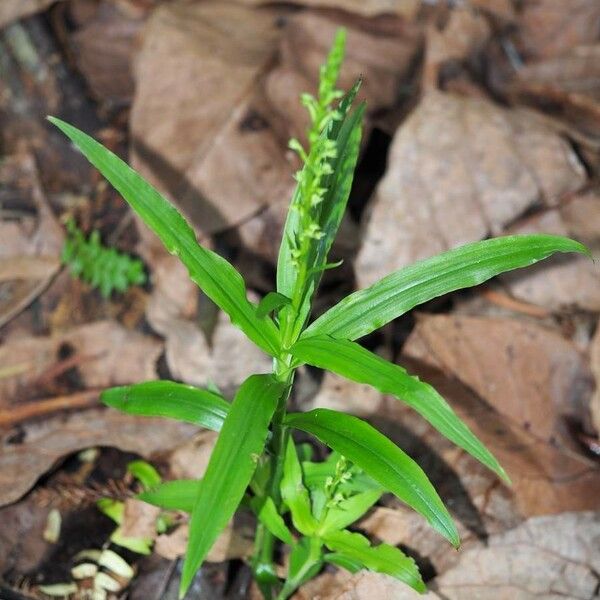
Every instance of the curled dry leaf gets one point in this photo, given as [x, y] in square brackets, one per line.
[551, 283]
[30, 452]
[459, 170]
[31, 239]
[530, 439]
[104, 354]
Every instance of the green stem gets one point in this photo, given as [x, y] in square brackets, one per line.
[263, 565]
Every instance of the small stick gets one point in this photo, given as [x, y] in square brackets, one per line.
[505, 301]
[39, 408]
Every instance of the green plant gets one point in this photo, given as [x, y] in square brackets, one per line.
[104, 268]
[254, 459]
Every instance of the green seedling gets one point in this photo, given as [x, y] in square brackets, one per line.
[104, 268]
[254, 460]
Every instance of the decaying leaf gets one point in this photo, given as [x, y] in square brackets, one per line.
[30, 452]
[31, 236]
[459, 170]
[106, 354]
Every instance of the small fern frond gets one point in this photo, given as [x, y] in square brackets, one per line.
[103, 268]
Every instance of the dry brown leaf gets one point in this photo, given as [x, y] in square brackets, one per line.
[595, 367]
[463, 36]
[458, 170]
[560, 281]
[198, 131]
[189, 460]
[548, 474]
[529, 374]
[551, 27]
[368, 8]
[35, 448]
[103, 48]
[364, 585]
[232, 543]
[567, 86]
[382, 53]
[545, 557]
[139, 519]
[337, 393]
[31, 242]
[581, 216]
[108, 354]
[11, 10]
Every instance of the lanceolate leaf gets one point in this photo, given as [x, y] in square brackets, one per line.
[365, 311]
[358, 364]
[230, 468]
[383, 558]
[173, 495]
[213, 274]
[267, 514]
[380, 458]
[169, 399]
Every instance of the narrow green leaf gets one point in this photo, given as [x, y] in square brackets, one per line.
[369, 309]
[358, 364]
[230, 468]
[380, 458]
[173, 495]
[169, 399]
[267, 514]
[271, 302]
[348, 511]
[213, 274]
[295, 494]
[382, 559]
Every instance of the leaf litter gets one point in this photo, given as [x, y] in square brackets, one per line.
[461, 167]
